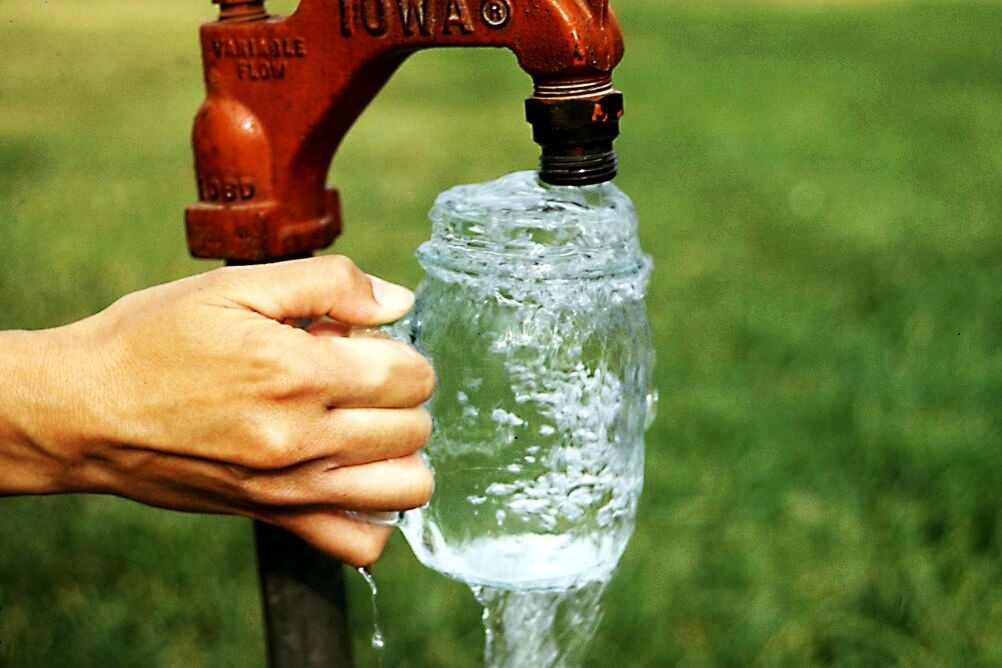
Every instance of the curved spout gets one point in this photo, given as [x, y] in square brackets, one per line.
[301, 82]
[550, 38]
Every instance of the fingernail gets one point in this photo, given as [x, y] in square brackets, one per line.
[392, 296]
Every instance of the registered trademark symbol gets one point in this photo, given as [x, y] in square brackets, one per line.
[495, 13]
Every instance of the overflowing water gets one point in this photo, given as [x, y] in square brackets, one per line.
[377, 641]
[532, 313]
[539, 627]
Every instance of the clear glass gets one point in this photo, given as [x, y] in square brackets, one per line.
[532, 312]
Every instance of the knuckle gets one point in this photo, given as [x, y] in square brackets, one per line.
[287, 383]
[277, 375]
[422, 428]
[424, 380]
[380, 376]
[345, 269]
[263, 491]
[411, 370]
[340, 264]
[272, 447]
[410, 430]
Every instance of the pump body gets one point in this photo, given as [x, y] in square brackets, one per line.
[282, 92]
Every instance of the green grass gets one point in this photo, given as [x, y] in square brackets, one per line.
[820, 189]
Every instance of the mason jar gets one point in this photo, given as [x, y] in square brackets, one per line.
[532, 312]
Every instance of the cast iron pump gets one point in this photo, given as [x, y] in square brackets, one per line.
[282, 92]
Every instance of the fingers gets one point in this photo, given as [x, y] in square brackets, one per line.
[352, 542]
[348, 437]
[310, 500]
[369, 372]
[326, 285]
[352, 401]
[386, 485]
[373, 434]
[197, 484]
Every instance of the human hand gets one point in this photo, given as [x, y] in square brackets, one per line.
[195, 396]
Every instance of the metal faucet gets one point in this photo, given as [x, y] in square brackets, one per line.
[282, 92]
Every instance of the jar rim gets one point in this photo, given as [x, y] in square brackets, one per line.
[521, 226]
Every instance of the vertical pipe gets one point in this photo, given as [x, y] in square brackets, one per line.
[305, 606]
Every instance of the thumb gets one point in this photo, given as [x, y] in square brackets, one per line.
[329, 285]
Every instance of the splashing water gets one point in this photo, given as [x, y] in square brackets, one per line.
[532, 313]
[539, 627]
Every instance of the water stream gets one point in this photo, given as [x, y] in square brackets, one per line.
[539, 627]
[377, 641]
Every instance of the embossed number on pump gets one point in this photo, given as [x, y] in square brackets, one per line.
[212, 189]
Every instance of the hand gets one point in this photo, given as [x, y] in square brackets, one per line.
[196, 396]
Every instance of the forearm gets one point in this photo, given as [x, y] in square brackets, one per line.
[33, 412]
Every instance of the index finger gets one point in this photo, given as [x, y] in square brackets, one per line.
[328, 285]
[366, 372]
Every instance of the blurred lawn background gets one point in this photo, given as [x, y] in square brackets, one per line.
[820, 184]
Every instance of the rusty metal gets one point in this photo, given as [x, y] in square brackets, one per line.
[283, 91]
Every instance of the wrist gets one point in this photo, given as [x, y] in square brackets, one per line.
[36, 414]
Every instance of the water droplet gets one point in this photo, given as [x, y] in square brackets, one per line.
[378, 642]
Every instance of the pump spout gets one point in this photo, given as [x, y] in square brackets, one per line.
[283, 91]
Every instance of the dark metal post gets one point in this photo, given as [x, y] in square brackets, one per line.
[305, 607]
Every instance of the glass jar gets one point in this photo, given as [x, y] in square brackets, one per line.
[532, 313]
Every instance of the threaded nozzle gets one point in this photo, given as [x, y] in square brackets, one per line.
[575, 122]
